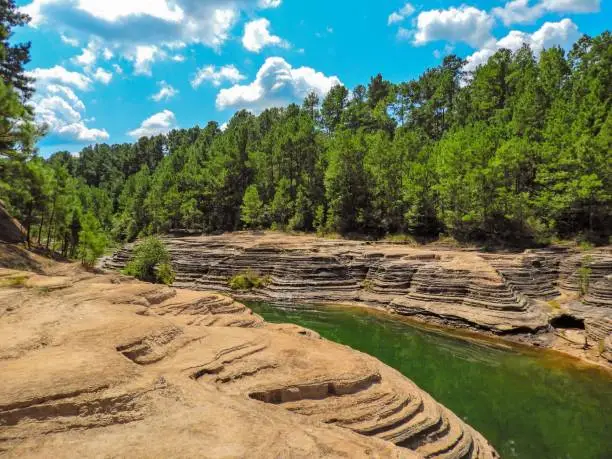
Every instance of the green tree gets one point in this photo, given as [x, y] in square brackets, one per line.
[92, 240]
[252, 208]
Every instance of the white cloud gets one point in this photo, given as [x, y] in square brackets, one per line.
[572, 6]
[524, 12]
[257, 36]
[160, 123]
[269, 3]
[58, 107]
[79, 132]
[143, 58]
[113, 10]
[108, 54]
[89, 55]
[398, 16]
[69, 41]
[103, 76]
[147, 31]
[59, 74]
[166, 92]
[210, 73]
[464, 24]
[129, 23]
[118, 69]
[518, 12]
[277, 83]
[66, 93]
[562, 33]
[87, 58]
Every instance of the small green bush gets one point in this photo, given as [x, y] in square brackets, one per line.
[165, 274]
[151, 262]
[368, 285]
[248, 280]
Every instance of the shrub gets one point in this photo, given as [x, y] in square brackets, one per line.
[368, 285]
[248, 280]
[165, 274]
[151, 262]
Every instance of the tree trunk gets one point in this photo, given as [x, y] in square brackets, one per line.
[51, 223]
[42, 222]
[29, 225]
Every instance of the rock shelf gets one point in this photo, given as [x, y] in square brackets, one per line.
[499, 293]
[105, 366]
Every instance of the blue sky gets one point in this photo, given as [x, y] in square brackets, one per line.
[112, 70]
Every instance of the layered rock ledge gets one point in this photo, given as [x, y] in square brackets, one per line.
[105, 366]
[519, 293]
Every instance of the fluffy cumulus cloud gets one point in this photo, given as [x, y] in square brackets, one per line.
[527, 11]
[464, 24]
[166, 92]
[57, 106]
[257, 36]
[90, 55]
[145, 24]
[277, 83]
[59, 74]
[160, 123]
[562, 33]
[210, 73]
[143, 57]
[398, 16]
[103, 76]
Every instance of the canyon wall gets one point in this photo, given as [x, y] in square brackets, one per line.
[504, 293]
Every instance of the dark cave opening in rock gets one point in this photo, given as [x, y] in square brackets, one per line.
[566, 321]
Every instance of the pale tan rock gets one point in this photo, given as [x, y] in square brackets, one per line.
[105, 366]
[502, 293]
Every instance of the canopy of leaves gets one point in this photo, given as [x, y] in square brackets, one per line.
[516, 151]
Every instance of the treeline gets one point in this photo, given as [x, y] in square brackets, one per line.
[518, 150]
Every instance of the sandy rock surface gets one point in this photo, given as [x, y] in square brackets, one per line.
[105, 366]
[499, 293]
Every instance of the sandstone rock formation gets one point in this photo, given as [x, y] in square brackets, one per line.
[500, 293]
[105, 366]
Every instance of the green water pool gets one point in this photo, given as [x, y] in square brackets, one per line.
[528, 404]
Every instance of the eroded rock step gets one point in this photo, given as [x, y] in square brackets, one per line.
[502, 293]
